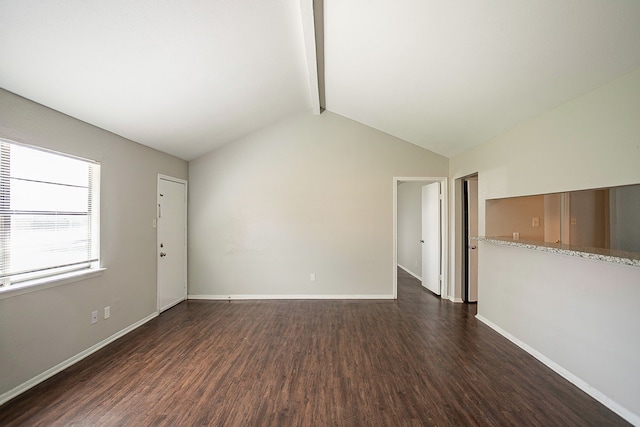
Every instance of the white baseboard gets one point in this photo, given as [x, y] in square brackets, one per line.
[286, 297]
[5, 397]
[581, 384]
[410, 272]
[454, 299]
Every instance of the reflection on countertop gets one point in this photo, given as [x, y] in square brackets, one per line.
[600, 254]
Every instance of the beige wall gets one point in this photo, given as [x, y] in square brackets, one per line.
[590, 142]
[313, 194]
[589, 218]
[41, 329]
[514, 215]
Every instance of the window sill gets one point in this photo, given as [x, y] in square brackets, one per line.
[49, 282]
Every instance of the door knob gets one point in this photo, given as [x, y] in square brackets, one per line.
[162, 254]
[421, 241]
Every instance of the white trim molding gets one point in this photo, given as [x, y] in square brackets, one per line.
[288, 297]
[582, 385]
[50, 282]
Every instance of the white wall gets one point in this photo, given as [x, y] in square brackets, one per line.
[42, 329]
[590, 142]
[410, 226]
[581, 314]
[313, 194]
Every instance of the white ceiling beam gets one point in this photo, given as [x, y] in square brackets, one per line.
[312, 29]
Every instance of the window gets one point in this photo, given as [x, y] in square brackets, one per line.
[49, 214]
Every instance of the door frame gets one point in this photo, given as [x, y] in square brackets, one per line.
[186, 192]
[466, 238]
[444, 230]
[457, 237]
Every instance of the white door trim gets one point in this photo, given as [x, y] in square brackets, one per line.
[186, 192]
[444, 229]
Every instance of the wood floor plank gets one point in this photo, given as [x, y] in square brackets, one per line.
[417, 361]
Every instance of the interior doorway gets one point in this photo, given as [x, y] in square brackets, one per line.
[429, 269]
[469, 246]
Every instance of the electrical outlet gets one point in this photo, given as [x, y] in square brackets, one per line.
[107, 312]
[94, 317]
[535, 222]
[312, 277]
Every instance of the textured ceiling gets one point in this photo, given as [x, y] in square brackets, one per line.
[185, 76]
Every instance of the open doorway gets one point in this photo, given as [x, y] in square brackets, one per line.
[469, 225]
[421, 249]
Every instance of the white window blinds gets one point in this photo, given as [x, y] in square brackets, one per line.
[49, 213]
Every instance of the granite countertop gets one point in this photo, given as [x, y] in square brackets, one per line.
[607, 255]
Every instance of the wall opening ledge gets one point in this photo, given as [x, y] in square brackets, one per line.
[600, 254]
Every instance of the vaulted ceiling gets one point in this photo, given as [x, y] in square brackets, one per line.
[185, 76]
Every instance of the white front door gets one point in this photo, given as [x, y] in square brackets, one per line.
[431, 237]
[172, 242]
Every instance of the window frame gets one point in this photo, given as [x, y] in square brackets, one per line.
[57, 278]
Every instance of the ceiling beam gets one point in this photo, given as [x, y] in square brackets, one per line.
[313, 32]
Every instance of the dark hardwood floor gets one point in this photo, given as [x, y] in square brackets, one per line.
[417, 361]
